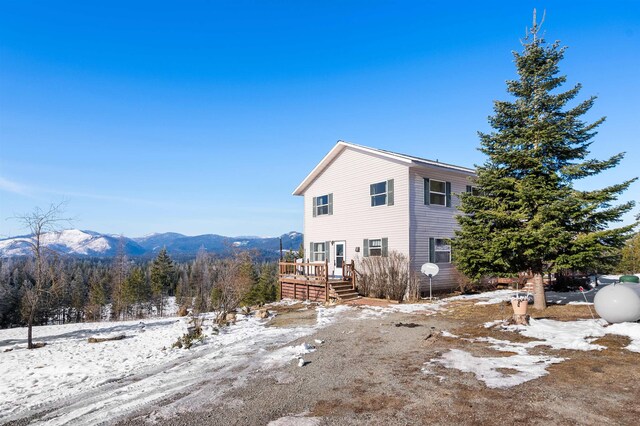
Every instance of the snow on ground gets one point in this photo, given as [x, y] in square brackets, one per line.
[297, 420]
[487, 369]
[117, 377]
[574, 335]
[69, 363]
[369, 312]
[488, 297]
[577, 335]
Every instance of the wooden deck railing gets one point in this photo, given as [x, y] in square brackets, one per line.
[314, 274]
[349, 273]
[317, 271]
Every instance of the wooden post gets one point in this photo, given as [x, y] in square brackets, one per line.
[353, 275]
[326, 280]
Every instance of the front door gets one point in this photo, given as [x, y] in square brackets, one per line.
[338, 257]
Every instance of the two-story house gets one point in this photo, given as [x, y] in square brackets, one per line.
[361, 201]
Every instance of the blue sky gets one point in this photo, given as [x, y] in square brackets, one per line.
[202, 117]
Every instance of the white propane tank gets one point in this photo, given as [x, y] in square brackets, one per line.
[618, 303]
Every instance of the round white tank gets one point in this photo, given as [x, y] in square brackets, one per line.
[618, 303]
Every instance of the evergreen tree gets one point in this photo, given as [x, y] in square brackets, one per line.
[163, 279]
[630, 262]
[119, 273]
[97, 297]
[526, 214]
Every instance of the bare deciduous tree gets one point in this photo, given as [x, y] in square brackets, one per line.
[39, 222]
[232, 284]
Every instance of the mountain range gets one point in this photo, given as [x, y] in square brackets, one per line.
[80, 243]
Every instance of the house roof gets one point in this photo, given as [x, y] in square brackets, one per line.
[409, 160]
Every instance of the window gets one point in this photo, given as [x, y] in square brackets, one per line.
[474, 190]
[318, 254]
[437, 192]
[375, 247]
[322, 205]
[381, 193]
[442, 251]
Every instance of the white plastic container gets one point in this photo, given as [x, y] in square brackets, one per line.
[618, 303]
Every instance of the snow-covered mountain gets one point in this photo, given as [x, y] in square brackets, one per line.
[74, 242]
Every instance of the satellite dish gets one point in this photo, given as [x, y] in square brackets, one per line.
[430, 269]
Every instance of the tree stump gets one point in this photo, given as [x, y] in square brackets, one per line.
[520, 319]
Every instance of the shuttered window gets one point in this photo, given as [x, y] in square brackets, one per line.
[437, 192]
[473, 190]
[439, 250]
[382, 193]
[323, 205]
[376, 247]
[319, 251]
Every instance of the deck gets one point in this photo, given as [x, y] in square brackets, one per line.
[311, 281]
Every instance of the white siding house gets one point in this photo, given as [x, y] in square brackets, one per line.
[360, 201]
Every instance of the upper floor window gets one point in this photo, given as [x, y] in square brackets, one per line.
[437, 192]
[474, 190]
[323, 205]
[381, 193]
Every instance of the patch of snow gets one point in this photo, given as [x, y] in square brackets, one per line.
[527, 367]
[368, 312]
[629, 329]
[491, 324]
[574, 335]
[297, 420]
[492, 297]
[445, 333]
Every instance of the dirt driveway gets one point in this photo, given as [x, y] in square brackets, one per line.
[370, 371]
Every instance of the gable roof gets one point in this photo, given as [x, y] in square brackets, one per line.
[409, 160]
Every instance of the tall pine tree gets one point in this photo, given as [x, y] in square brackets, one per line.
[163, 279]
[526, 214]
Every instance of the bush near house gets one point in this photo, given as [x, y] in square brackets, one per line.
[388, 277]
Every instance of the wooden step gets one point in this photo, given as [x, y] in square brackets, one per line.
[340, 287]
[348, 296]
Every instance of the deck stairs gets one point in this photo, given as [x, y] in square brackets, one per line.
[344, 290]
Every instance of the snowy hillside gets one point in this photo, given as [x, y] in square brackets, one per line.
[71, 242]
[74, 242]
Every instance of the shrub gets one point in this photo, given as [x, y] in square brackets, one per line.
[387, 277]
